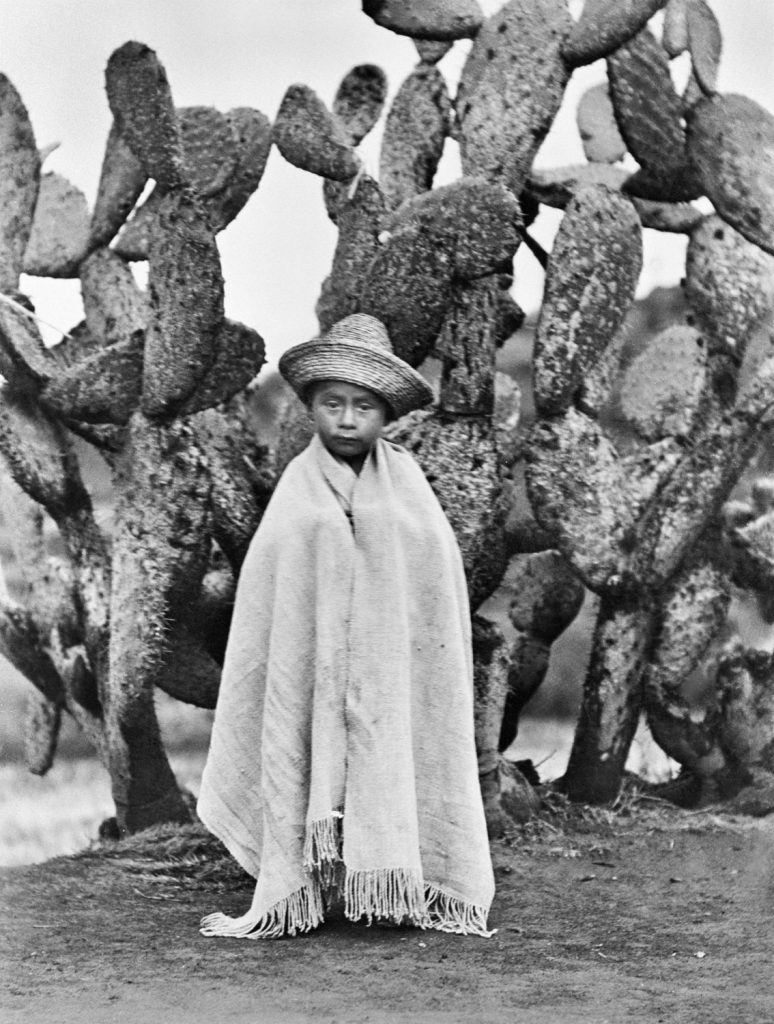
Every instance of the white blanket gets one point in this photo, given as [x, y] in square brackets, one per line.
[342, 758]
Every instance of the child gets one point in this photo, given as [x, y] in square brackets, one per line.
[342, 762]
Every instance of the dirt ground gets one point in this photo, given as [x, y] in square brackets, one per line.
[651, 916]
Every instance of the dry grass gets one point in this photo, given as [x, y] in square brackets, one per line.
[564, 829]
[173, 854]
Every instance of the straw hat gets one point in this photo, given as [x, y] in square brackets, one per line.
[357, 350]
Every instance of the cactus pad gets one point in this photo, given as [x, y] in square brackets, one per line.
[42, 720]
[359, 219]
[60, 234]
[476, 222]
[186, 291]
[604, 25]
[133, 242]
[114, 305]
[334, 194]
[104, 387]
[511, 88]
[592, 275]
[705, 43]
[24, 361]
[76, 344]
[746, 699]
[241, 482]
[37, 455]
[141, 102]
[674, 37]
[509, 316]
[239, 355]
[753, 546]
[578, 490]
[414, 135]
[649, 115]
[359, 100]
[431, 19]
[466, 347]
[678, 218]
[19, 175]
[549, 595]
[691, 94]
[464, 230]
[460, 461]
[695, 609]
[731, 143]
[596, 390]
[758, 355]
[310, 137]
[602, 142]
[664, 386]
[556, 186]
[408, 288]
[248, 148]
[729, 283]
[251, 131]
[209, 151]
[121, 182]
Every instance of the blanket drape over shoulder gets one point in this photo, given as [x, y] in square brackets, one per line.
[342, 759]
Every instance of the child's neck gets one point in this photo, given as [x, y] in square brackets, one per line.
[355, 461]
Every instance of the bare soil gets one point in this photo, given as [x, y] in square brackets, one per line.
[646, 916]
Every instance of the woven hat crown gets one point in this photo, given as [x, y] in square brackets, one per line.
[360, 327]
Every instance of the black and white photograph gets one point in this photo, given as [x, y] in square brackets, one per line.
[386, 511]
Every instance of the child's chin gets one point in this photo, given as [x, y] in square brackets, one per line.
[348, 447]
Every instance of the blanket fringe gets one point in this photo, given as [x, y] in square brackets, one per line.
[322, 853]
[300, 912]
[390, 893]
[323, 842]
[448, 913]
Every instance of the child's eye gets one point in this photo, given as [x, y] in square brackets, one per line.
[365, 407]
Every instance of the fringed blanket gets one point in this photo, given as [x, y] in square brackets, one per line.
[342, 762]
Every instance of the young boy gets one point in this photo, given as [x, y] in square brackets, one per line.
[342, 764]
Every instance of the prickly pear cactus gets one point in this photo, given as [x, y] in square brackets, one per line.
[153, 379]
[146, 378]
[725, 747]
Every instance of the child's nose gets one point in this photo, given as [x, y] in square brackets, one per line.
[348, 416]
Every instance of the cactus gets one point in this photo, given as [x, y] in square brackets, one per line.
[727, 746]
[606, 513]
[147, 378]
[155, 380]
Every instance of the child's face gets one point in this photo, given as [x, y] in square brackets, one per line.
[348, 418]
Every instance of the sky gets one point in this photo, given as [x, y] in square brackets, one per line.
[229, 53]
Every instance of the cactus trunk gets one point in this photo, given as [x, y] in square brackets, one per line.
[144, 788]
[612, 699]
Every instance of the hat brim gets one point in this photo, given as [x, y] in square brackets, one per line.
[356, 363]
